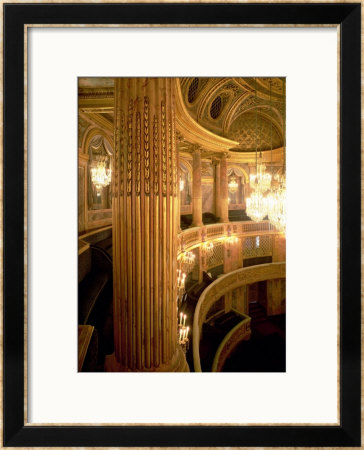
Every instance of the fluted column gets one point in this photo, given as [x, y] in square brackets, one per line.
[196, 189]
[145, 221]
[224, 196]
[239, 193]
[216, 164]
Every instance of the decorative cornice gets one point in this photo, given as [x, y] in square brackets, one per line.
[249, 157]
[96, 93]
[96, 100]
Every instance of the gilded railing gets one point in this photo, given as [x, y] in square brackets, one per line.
[192, 237]
[237, 334]
[222, 286]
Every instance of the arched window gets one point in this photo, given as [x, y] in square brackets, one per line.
[215, 108]
[192, 90]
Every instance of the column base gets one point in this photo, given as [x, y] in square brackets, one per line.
[177, 364]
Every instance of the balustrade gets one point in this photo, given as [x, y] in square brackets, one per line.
[222, 286]
[239, 333]
[251, 240]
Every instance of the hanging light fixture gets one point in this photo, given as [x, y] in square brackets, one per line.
[276, 200]
[260, 182]
[277, 213]
[256, 206]
[233, 184]
[100, 175]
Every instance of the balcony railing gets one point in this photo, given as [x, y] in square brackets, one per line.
[222, 286]
[233, 338]
[192, 237]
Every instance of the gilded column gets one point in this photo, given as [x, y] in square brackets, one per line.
[196, 189]
[216, 164]
[145, 205]
[239, 193]
[224, 196]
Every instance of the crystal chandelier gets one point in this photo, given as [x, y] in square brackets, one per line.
[256, 206]
[260, 183]
[100, 175]
[233, 184]
[262, 180]
[276, 199]
[277, 207]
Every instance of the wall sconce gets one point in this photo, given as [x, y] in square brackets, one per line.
[187, 260]
[230, 241]
[183, 332]
[207, 247]
[181, 280]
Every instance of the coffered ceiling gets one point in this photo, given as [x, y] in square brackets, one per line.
[247, 110]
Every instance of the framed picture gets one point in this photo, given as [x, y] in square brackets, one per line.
[51, 53]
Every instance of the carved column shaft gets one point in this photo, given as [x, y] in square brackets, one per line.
[224, 196]
[217, 188]
[145, 221]
[239, 193]
[197, 189]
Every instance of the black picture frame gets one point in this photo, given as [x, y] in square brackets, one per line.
[348, 17]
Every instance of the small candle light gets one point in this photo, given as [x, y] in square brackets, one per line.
[184, 320]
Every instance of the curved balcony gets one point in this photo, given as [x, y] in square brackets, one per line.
[192, 237]
[239, 333]
[214, 292]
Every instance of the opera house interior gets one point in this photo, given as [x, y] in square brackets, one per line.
[181, 224]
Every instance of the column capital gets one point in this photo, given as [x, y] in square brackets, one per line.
[196, 148]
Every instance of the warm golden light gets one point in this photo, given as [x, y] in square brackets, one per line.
[276, 206]
[256, 206]
[100, 175]
[261, 181]
[187, 260]
[233, 184]
[207, 247]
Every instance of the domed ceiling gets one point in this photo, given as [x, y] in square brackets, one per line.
[247, 110]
